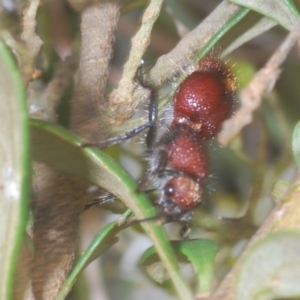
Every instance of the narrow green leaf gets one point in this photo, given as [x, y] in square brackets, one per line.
[58, 148]
[282, 11]
[221, 32]
[200, 253]
[103, 241]
[292, 7]
[250, 27]
[62, 151]
[296, 144]
[270, 269]
[14, 162]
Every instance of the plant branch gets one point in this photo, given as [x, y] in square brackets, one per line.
[286, 216]
[98, 26]
[173, 62]
[126, 98]
[32, 41]
[251, 97]
[122, 96]
[27, 51]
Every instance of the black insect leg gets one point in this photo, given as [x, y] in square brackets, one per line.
[152, 117]
[152, 133]
[120, 138]
[185, 221]
[185, 230]
[152, 109]
[105, 198]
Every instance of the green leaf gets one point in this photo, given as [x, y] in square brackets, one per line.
[55, 146]
[200, 253]
[270, 268]
[243, 26]
[236, 18]
[250, 27]
[58, 148]
[14, 162]
[283, 12]
[102, 242]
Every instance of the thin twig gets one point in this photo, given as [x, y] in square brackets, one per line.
[251, 97]
[174, 61]
[32, 40]
[122, 96]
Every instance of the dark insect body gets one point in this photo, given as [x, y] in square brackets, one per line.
[179, 161]
[204, 99]
[178, 165]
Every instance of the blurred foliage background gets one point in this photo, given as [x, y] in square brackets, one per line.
[239, 194]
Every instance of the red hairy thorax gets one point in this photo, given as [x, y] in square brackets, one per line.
[201, 104]
[187, 153]
[204, 99]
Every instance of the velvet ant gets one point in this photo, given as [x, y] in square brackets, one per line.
[179, 161]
